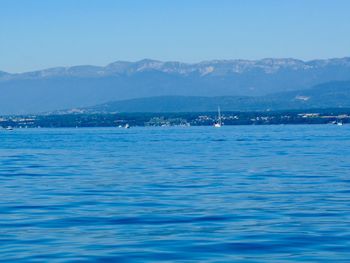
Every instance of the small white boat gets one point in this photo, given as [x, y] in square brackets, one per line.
[127, 126]
[218, 124]
[338, 123]
[9, 128]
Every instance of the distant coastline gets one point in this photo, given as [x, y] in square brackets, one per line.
[314, 116]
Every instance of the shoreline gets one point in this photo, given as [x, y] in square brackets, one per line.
[298, 117]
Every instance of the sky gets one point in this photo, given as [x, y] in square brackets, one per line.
[39, 34]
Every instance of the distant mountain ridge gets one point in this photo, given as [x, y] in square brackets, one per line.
[328, 95]
[83, 86]
[211, 67]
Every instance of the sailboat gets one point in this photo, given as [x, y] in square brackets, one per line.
[218, 124]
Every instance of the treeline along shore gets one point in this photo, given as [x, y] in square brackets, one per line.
[315, 116]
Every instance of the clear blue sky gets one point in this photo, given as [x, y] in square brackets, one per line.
[36, 34]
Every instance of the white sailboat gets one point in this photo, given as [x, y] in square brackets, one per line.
[218, 124]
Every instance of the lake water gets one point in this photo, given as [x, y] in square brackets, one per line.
[200, 194]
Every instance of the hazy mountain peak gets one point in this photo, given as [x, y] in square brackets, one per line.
[148, 64]
[3, 73]
[330, 62]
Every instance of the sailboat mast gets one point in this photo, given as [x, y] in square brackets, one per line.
[219, 115]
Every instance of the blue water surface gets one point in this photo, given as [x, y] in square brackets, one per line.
[197, 194]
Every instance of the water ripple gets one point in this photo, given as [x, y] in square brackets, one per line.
[236, 194]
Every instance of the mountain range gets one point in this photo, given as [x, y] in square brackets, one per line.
[246, 84]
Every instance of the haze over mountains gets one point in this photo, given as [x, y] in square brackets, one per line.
[334, 94]
[244, 84]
